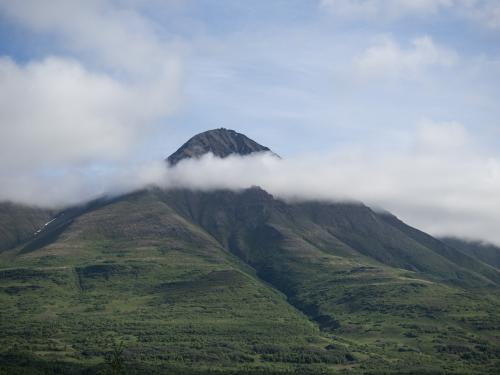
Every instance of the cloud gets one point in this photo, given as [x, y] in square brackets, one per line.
[60, 123]
[114, 75]
[89, 105]
[55, 112]
[388, 58]
[385, 9]
[441, 137]
[105, 33]
[72, 186]
[484, 13]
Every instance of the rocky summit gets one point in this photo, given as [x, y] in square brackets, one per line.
[220, 142]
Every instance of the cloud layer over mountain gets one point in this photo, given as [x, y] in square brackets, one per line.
[440, 183]
[92, 91]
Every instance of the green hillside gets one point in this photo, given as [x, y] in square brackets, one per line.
[241, 281]
[134, 271]
[358, 276]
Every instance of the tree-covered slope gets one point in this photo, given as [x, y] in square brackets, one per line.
[134, 270]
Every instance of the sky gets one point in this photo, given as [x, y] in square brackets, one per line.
[392, 102]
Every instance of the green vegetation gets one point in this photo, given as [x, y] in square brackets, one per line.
[180, 282]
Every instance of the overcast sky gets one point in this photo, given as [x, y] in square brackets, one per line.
[394, 102]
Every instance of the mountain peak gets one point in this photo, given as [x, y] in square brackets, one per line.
[221, 142]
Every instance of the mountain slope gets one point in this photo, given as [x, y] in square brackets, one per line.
[469, 262]
[320, 256]
[487, 253]
[341, 229]
[177, 267]
[18, 223]
[243, 281]
[134, 270]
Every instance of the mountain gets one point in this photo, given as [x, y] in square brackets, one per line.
[220, 142]
[243, 282]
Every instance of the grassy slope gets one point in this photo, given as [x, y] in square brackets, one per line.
[136, 271]
[341, 229]
[361, 278]
[168, 273]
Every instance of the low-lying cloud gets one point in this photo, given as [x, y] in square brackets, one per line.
[439, 183]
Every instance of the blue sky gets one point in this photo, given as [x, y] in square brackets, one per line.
[89, 87]
[286, 75]
[284, 71]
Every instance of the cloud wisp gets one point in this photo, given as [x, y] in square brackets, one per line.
[485, 13]
[387, 58]
[386, 9]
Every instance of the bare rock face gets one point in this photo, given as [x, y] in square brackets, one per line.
[220, 142]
